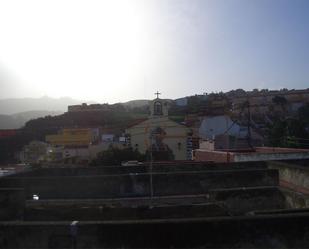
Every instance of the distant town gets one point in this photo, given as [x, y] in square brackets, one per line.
[199, 127]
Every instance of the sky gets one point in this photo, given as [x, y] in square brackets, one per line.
[119, 50]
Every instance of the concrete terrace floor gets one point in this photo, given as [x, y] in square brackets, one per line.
[200, 205]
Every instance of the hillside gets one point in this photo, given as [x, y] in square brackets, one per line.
[16, 105]
[18, 120]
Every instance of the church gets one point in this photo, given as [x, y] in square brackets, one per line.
[159, 136]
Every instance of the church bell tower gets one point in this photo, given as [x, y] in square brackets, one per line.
[158, 107]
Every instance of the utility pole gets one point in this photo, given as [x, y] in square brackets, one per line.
[151, 160]
[249, 124]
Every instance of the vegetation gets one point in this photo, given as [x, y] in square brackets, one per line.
[279, 100]
[161, 155]
[114, 156]
[291, 132]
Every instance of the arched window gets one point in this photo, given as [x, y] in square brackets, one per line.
[157, 108]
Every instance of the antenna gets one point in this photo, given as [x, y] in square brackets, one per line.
[249, 124]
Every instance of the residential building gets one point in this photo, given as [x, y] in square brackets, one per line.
[54, 153]
[4, 133]
[80, 145]
[262, 101]
[34, 152]
[181, 101]
[74, 137]
[212, 126]
[84, 107]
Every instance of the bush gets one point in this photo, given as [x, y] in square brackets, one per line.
[114, 156]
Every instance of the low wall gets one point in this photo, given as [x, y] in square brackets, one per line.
[131, 185]
[292, 173]
[219, 202]
[216, 156]
[295, 199]
[267, 156]
[111, 170]
[294, 181]
[241, 200]
[100, 213]
[271, 231]
[261, 154]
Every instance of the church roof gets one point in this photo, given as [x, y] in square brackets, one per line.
[139, 122]
[136, 122]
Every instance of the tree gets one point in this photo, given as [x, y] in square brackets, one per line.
[277, 133]
[303, 114]
[114, 156]
[279, 100]
[290, 132]
[160, 155]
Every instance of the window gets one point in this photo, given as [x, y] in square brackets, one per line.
[157, 108]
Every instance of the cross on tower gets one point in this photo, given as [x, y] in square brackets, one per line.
[157, 93]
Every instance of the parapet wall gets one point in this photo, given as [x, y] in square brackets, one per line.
[137, 185]
[292, 173]
[116, 182]
[269, 231]
[202, 206]
[113, 170]
[260, 154]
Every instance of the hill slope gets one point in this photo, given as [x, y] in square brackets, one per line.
[18, 120]
[11, 106]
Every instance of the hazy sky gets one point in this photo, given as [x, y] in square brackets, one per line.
[118, 50]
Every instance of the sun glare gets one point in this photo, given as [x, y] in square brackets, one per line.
[75, 48]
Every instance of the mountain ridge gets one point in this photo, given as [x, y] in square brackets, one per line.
[12, 106]
[18, 120]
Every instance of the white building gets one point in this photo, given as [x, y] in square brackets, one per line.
[213, 126]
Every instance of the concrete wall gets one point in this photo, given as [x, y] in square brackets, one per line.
[215, 156]
[279, 150]
[238, 157]
[101, 212]
[295, 199]
[272, 231]
[157, 167]
[239, 201]
[294, 182]
[218, 202]
[261, 154]
[291, 173]
[130, 185]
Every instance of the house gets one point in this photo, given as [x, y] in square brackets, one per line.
[34, 152]
[212, 126]
[74, 137]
